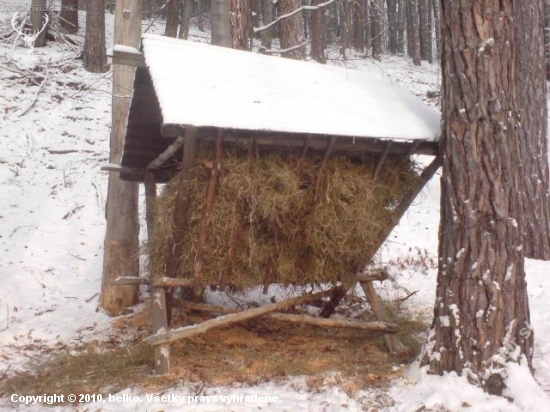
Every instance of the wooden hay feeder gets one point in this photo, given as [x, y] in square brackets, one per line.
[262, 190]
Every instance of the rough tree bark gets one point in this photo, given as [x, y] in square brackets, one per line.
[481, 314]
[94, 57]
[292, 30]
[172, 18]
[240, 24]
[69, 16]
[121, 251]
[535, 193]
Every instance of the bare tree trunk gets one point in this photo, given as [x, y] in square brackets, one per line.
[437, 24]
[318, 33]
[547, 36]
[172, 18]
[221, 26]
[292, 30]
[240, 24]
[185, 17]
[200, 12]
[376, 30]
[345, 40]
[392, 25]
[121, 250]
[481, 315]
[425, 30]
[532, 94]
[94, 57]
[69, 16]
[268, 15]
[401, 26]
[368, 26]
[413, 36]
[38, 20]
[359, 25]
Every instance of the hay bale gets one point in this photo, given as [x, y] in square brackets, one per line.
[265, 224]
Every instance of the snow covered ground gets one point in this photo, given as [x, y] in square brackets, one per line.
[51, 239]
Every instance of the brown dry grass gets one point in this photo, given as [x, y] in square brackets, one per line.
[250, 353]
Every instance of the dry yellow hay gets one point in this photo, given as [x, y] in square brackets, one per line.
[265, 225]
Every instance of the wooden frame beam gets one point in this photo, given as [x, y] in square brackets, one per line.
[128, 56]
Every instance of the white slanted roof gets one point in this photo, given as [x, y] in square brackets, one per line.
[202, 85]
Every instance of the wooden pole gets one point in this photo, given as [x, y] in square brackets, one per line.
[210, 193]
[301, 319]
[121, 251]
[393, 342]
[181, 209]
[193, 330]
[159, 318]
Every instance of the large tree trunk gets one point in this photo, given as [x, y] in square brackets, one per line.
[94, 57]
[481, 314]
[172, 18]
[121, 252]
[292, 30]
[318, 33]
[532, 94]
[240, 24]
[220, 23]
[69, 16]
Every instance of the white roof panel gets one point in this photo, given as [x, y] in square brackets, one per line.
[202, 85]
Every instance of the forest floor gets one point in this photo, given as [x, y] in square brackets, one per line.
[54, 137]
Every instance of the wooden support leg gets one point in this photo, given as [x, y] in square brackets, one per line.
[160, 324]
[159, 318]
[393, 342]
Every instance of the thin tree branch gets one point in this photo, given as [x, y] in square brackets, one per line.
[292, 13]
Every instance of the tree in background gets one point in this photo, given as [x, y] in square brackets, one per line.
[38, 19]
[292, 30]
[172, 18]
[69, 16]
[220, 23]
[240, 19]
[95, 55]
[481, 315]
